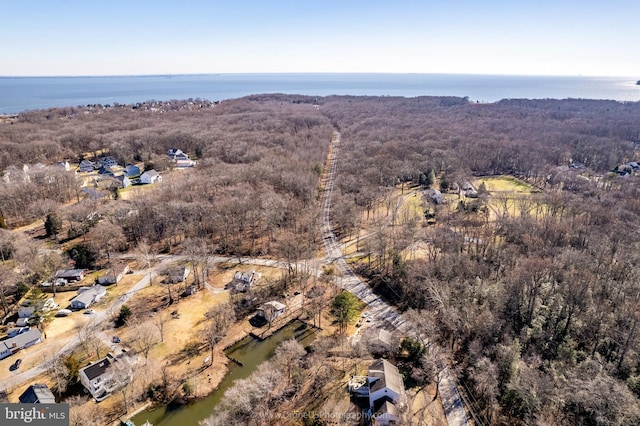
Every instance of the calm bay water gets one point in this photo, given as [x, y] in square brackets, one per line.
[23, 93]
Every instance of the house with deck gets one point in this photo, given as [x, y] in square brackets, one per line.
[383, 389]
[106, 375]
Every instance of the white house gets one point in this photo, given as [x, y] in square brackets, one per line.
[150, 176]
[62, 165]
[106, 375]
[123, 180]
[174, 152]
[177, 274]
[385, 387]
[27, 310]
[12, 345]
[271, 310]
[242, 281]
[88, 296]
[114, 275]
[182, 164]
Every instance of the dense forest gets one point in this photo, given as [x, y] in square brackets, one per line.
[537, 306]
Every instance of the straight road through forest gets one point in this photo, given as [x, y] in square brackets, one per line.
[379, 309]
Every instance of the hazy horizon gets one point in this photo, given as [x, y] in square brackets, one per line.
[499, 37]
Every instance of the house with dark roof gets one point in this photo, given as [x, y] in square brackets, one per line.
[85, 166]
[38, 393]
[23, 340]
[131, 170]
[106, 375]
[71, 274]
[108, 161]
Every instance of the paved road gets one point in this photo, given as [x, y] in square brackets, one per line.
[381, 311]
[99, 317]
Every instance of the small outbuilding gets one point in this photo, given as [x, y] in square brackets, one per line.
[38, 393]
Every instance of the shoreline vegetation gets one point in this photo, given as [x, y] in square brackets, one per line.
[506, 232]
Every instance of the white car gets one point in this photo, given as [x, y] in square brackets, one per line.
[88, 312]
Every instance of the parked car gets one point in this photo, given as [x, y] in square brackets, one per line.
[115, 339]
[16, 364]
[88, 312]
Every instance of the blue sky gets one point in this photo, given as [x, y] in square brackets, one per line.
[114, 37]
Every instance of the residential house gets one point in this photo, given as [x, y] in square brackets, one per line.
[114, 275]
[386, 415]
[85, 166]
[174, 152]
[87, 296]
[14, 331]
[23, 340]
[61, 165]
[177, 274]
[106, 171]
[131, 170]
[71, 275]
[182, 164]
[385, 387]
[150, 176]
[38, 393]
[271, 310]
[106, 375]
[28, 309]
[108, 161]
[242, 281]
[14, 174]
[435, 196]
[123, 181]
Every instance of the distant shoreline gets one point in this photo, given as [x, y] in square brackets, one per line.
[23, 93]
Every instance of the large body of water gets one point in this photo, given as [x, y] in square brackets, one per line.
[24, 93]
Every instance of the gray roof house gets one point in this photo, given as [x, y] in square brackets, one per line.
[38, 393]
[10, 346]
[132, 170]
[242, 281]
[85, 166]
[385, 389]
[88, 296]
[150, 176]
[114, 274]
